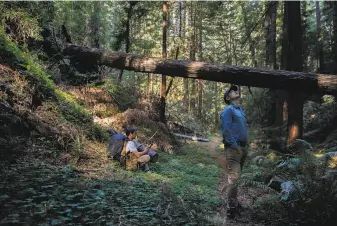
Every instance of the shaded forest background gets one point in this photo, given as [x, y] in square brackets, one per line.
[57, 113]
[234, 33]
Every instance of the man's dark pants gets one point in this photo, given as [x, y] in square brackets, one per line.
[235, 160]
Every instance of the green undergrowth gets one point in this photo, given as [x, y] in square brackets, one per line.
[29, 66]
[179, 190]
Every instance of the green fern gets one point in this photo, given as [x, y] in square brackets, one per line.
[290, 163]
[251, 183]
[299, 145]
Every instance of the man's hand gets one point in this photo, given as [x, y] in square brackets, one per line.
[154, 147]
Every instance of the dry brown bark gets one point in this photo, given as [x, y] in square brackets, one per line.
[247, 76]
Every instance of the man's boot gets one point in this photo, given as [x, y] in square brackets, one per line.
[232, 212]
[146, 167]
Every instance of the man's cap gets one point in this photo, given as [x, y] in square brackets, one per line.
[233, 87]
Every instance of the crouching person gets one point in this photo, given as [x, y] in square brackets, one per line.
[135, 158]
[153, 152]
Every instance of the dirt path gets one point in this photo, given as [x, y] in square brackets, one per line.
[219, 155]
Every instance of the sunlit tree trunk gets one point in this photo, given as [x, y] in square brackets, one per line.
[164, 55]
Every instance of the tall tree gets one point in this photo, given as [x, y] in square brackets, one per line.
[275, 114]
[96, 24]
[179, 43]
[200, 58]
[216, 105]
[185, 35]
[270, 34]
[126, 34]
[248, 32]
[305, 34]
[164, 55]
[193, 46]
[334, 48]
[293, 61]
[319, 38]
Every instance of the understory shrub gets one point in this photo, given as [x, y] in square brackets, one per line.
[317, 115]
[29, 67]
[306, 183]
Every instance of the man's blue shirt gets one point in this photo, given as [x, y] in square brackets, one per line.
[233, 125]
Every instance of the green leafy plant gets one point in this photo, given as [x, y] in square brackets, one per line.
[20, 25]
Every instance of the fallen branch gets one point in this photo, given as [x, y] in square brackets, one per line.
[194, 138]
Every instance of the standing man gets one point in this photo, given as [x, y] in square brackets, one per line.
[234, 134]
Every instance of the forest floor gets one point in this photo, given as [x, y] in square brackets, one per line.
[181, 189]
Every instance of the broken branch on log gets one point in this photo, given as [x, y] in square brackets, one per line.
[247, 76]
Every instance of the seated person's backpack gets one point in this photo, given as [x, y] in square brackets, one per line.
[128, 160]
[116, 144]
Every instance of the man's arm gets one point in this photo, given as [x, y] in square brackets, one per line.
[226, 127]
[145, 152]
[133, 148]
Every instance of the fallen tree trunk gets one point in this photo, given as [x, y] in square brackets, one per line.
[185, 129]
[191, 137]
[247, 76]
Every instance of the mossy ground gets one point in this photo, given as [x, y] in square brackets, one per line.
[180, 189]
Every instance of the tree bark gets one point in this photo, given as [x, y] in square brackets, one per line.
[319, 38]
[294, 62]
[192, 57]
[334, 48]
[127, 33]
[216, 105]
[163, 78]
[200, 58]
[270, 35]
[66, 34]
[275, 112]
[178, 46]
[305, 35]
[246, 76]
[249, 36]
[96, 24]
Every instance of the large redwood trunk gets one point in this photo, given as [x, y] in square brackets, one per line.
[294, 62]
[320, 52]
[246, 76]
[163, 78]
[334, 47]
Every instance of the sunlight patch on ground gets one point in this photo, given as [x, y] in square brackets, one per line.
[271, 156]
[318, 155]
